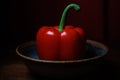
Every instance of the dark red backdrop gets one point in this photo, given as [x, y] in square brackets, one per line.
[20, 20]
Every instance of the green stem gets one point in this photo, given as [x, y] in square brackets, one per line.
[62, 21]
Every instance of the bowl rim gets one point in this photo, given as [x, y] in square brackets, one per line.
[69, 61]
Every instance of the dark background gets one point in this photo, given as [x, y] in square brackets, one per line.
[20, 20]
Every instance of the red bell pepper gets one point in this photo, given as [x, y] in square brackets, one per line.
[61, 42]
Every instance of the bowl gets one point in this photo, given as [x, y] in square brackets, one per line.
[95, 52]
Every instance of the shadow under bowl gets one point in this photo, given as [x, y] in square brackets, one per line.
[95, 51]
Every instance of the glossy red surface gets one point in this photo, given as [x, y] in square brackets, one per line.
[68, 44]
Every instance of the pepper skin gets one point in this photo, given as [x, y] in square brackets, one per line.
[61, 42]
[65, 45]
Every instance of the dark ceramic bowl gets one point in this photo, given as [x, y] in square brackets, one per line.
[94, 56]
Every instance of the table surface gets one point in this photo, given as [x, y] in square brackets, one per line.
[12, 68]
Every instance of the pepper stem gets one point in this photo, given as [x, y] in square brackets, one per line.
[62, 21]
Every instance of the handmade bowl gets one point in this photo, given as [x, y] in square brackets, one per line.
[95, 52]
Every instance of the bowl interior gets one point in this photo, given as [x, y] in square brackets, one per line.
[94, 50]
